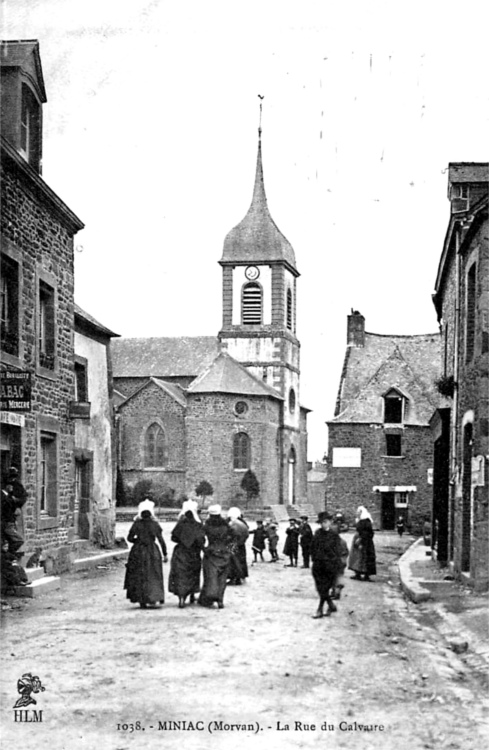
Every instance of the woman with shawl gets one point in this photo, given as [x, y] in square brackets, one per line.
[189, 538]
[144, 572]
[216, 558]
[362, 552]
[238, 566]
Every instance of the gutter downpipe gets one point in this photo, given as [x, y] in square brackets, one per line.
[453, 438]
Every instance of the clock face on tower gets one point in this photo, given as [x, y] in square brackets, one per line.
[252, 273]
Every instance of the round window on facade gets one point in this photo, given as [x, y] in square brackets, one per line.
[241, 408]
[292, 400]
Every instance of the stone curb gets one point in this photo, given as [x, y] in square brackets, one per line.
[409, 584]
[84, 563]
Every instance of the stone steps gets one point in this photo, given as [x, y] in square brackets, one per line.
[38, 586]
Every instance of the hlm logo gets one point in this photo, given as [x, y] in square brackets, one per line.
[27, 685]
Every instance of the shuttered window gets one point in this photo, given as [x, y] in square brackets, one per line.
[252, 304]
[289, 310]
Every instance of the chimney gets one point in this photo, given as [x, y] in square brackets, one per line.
[356, 329]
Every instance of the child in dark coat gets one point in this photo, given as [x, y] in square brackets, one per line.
[272, 535]
[258, 544]
[291, 547]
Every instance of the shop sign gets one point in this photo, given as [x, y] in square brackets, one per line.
[15, 390]
[18, 420]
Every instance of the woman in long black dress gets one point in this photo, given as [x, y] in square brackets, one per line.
[186, 562]
[216, 558]
[362, 554]
[144, 571]
[238, 566]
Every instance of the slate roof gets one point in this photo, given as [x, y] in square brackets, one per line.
[172, 389]
[84, 318]
[163, 357]
[24, 53]
[410, 363]
[257, 239]
[468, 172]
[226, 375]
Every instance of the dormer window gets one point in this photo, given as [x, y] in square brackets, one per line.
[393, 407]
[30, 122]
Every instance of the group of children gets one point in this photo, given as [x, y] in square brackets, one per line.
[266, 531]
[298, 534]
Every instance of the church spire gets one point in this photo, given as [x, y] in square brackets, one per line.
[257, 239]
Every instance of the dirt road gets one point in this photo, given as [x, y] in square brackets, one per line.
[260, 673]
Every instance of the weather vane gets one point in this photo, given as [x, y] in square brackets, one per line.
[261, 98]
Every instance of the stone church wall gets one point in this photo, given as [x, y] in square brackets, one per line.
[211, 425]
[150, 405]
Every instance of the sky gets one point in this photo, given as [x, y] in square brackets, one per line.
[151, 134]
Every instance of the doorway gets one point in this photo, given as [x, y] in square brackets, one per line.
[466, 498]
[388, 511]
[82, 498]
[292, 464]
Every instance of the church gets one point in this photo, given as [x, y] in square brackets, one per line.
[209, 408]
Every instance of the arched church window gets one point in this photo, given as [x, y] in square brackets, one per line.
[251, 304]
[292, 400]
[154, 447]
[241, 451]
[289, 309]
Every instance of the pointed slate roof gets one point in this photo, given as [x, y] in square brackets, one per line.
[257, 239]
[171, 389]
[409, 363]
[162, 357]
[24, 53]
[226, 375]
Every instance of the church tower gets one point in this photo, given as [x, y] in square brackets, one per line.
[259, 310]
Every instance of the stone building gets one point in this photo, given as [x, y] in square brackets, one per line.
[94, 447]
[209, 408]
[460, 425]
[39, 419]
[380, 452]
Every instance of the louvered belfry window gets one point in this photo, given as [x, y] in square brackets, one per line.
[252, 303]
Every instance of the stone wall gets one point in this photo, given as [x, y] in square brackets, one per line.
[349, 487]
[37, 237]
[152, 404]
[211, 424]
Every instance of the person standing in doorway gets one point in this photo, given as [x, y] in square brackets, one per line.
[14, 498]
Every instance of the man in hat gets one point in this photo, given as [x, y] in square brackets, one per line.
[326, 563]
[306, 535]
[14, 497]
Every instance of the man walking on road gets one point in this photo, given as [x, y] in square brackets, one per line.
[326, 563]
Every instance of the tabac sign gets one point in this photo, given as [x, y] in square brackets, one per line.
[16, 390]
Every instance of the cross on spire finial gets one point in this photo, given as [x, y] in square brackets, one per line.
[260, 97]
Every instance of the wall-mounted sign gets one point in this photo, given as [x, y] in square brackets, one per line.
[15, 390]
